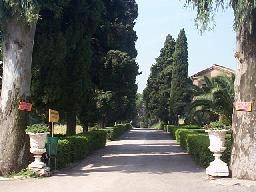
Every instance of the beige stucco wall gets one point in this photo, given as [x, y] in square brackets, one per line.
[199, 81]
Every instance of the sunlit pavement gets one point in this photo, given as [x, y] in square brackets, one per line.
[142, 160]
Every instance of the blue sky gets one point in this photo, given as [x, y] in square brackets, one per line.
[159, 18]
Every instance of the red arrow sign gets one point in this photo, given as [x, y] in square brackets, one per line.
[23, 106]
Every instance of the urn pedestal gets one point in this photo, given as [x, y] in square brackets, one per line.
[217, 168]
[37, 148]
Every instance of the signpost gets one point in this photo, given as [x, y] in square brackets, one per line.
[53, 118]
[243, 106]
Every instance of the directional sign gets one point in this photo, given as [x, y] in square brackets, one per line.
[243, 106]
[53, 116]
[23, 106]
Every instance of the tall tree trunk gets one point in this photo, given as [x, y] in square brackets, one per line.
[17, 49]
[243, 162]
[71, 123]
[85, 127]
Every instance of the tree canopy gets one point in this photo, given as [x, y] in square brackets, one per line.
[206, 10]
[157, 93]
[87, 51]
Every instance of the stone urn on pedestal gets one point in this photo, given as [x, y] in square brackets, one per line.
[38, 137]
[217, 132]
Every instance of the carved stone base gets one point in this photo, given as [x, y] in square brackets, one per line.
[45, 171]
[217, 168]
[37, 163]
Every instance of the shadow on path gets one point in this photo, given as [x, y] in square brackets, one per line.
[139, 150]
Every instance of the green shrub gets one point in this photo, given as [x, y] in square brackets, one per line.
[191, 127]
[116, 131]
[24, 173]
[37, 128]
[157, 125]
[181, 135]
[198, 148]
[77, 147]
[226, 156]
[128, 126]
[96, 140]
[162, 126]
[64, 153]
[172, 129]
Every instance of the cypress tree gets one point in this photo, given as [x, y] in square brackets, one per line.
[179, 94]
[156, 95]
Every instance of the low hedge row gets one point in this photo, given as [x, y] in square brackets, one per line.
[172, 128]
[77, 147]
[198, 148]
[181, 135]
[116, 131]
[195, 141]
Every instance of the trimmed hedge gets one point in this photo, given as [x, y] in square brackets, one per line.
[198, 148]
[181, 135]
[195, 141]
[77, 147]
[173, 128]
[116, 131]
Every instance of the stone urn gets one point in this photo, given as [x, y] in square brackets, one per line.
[38, 137]
[37, 148]
[217, 168]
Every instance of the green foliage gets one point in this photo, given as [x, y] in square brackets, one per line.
[156, 125]
[96, 140]
[120, 78]
[181, 134]
[114, 132]
[37, 128]
[217, 125]
[64, 153]
[179, 94]
[206, 10]
[140, 120]
[103, 105]
[24, 173]
[215, 99]
[157, 93]
[226, 156]
[77, 147]
[113, 69]
[173, 128]
[191, 127]
[198, 147]
[62, 59]
[167, 95]
[28, 10]
[83, 61]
